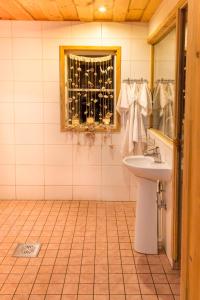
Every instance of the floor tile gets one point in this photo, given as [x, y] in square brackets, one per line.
[87, 253]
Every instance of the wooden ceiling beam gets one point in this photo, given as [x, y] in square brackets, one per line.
[14, 9]
[120, 10]
[50, 10]
[4, 15]
[134, 14]
[150, 10]
[67, 9]
[34, 9]
[108, 14]
[138, 4]
[78, 10]
[85, 9]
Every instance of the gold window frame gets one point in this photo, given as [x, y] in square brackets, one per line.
[81, 50]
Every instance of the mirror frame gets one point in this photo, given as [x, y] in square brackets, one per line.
[171, 21]
[155, 39]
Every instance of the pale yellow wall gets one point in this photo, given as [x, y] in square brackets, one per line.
[161, 13]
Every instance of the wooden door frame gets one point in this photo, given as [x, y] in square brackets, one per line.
[176, 206]
[174, 19]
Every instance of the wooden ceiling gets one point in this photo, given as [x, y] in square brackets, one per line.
[78, 10]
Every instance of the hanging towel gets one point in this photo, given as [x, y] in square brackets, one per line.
[163, 107]
[133, 105]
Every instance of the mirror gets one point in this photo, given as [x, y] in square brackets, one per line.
[164, 84]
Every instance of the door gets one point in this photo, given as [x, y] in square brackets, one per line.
[190, 279]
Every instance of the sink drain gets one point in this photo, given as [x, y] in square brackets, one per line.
[27, 250]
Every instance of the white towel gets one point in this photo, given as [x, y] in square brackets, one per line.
[145, 99]
[134, 103]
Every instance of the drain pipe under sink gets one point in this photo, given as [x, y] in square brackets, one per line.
[161, 205]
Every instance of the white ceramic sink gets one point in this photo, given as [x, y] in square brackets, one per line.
[145, 167]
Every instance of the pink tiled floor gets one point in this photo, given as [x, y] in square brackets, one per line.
[86, 254]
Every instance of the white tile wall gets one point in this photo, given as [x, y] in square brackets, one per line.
[166, 150]
[37, 161]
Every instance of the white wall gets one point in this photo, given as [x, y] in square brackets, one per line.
[163, 10]
[166, 150]
[37, 161]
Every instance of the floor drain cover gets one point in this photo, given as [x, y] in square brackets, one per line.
[27, 250]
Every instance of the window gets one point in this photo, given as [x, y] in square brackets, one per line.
[90, 83]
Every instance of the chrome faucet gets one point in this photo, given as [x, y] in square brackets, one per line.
[153, 151]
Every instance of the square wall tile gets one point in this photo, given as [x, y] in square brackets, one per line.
[58, 175]
[29, 134]
[88, 193]
[53, 29]
[29, 175]
[85, 42]
[58, 192]
[28, 70]
[125, 70]
[24, 48]
[86, 175]
[54, 136]
[29, 113]
[125, 45]
[51, 91]
[6, 112]
[115, 176]
[111, 155]
[139, 30]
[51, 47]
[52, 113]
[86, 30]
[7, 134]
[5, 28]
[116, 30]
[6, 91]
[51, 70]
[113, 139]
[140, 49]
[26, 29]
[85, 139]
[6, 70]
[59, 155]
[7, 175]
[7, 192]
[29, 154]
[86, 155]
[115, 193]
[29, 192]
[140, 69]
[7, 154]
[28, 91]
[5, 48]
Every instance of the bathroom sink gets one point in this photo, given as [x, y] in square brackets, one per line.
[145, 167]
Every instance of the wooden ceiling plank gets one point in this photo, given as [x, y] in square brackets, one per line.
[120, 10]
[85, 10]
[34, 9]
[134, 15]
[4, 15]
[50, 10]
[14, 9]
[150, 10]
[108, 14]
[138, 4]
[67, 9]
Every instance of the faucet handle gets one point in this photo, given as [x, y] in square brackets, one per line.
[152, 148]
